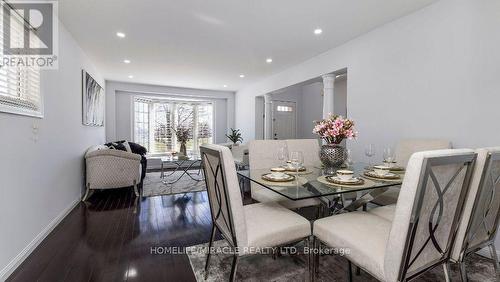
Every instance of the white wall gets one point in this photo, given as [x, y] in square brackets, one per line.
[41, 181]
[433, 73]
[118, 106]
[312, 105]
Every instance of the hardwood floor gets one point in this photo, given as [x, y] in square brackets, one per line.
[107, 239]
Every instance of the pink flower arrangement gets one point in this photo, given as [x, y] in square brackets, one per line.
[334, 129]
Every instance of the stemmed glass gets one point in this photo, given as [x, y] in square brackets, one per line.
[370, 152]
[296, 160]
[348, 158]
[283, 154]
[389, 156]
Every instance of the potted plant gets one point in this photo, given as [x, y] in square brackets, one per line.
[334, 130]
[183, 135]
[235, 136]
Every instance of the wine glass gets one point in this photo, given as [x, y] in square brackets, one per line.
[370, 152]
[348, 158]
[283, 154]
[389, 156]
[296, 161]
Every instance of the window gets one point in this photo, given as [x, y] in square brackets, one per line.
[284, 109]
[19, 85]
[155, 122]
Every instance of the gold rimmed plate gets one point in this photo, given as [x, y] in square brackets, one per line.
[353, 181]
[388, 176]
[392, 168]
[269, 177]
[290, 169]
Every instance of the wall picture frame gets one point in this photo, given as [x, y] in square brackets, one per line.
[93, 101]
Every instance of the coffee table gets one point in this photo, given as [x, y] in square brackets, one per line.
[183, 164]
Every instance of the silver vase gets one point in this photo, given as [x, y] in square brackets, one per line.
[332, 156]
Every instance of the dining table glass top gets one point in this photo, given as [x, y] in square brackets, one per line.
[312, 182]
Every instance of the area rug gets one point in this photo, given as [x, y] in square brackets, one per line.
[294, 267]
[154, 186]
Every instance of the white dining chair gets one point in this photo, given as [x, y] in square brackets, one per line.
[308, 147]
[404, 149]
[480, 217]
[247, 229]
[425, 221]
[263, 154]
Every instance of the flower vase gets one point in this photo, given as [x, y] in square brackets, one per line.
[332, 156]
[182, 150]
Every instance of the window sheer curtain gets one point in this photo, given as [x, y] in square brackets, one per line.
[156, 122]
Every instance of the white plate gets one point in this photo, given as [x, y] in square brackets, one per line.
[352, 180]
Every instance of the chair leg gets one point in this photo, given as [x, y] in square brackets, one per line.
[87, 191]
[494, 256]
[212, 236]
[317, 249]
[307, 244]
[358, 271]
[446, 269]
[234, 268]
[136, 191]
[463, 271]
[349, 271]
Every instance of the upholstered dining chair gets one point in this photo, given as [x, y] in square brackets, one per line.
[404, 149]
[480, 217]
[309, 148]
[248, 228]
[263, 154]
[424, 226]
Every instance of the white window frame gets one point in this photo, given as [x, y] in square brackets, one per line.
[180, 99]
[14, 104]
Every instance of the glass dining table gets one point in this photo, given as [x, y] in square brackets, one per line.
[312, 184]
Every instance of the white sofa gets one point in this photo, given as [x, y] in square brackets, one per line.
[109, 169]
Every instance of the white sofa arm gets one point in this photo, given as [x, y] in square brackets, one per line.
[112, 169]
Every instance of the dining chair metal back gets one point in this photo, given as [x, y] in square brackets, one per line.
[427, 212]
[225, 200]
[480, 218]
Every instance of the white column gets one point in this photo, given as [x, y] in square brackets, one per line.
[328, 94]
[268, 115]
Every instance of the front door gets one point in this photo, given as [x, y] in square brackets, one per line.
[284, 120]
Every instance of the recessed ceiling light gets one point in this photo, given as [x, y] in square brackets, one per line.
[224, 86]
[120, 34]
[318, 31]
[130, 76]
[269, 60]
[242, 75]
[126, 61]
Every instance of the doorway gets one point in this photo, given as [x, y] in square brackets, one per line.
[284, 120]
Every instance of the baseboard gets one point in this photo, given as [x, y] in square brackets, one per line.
[14, 263]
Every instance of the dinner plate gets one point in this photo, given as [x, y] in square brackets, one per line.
[388, 176]
[287, 168]
[352, 181]
[394, 168]
[269, 177]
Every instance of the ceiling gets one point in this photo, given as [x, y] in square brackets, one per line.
[208, 43]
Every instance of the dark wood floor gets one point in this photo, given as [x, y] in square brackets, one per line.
[107, 240]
